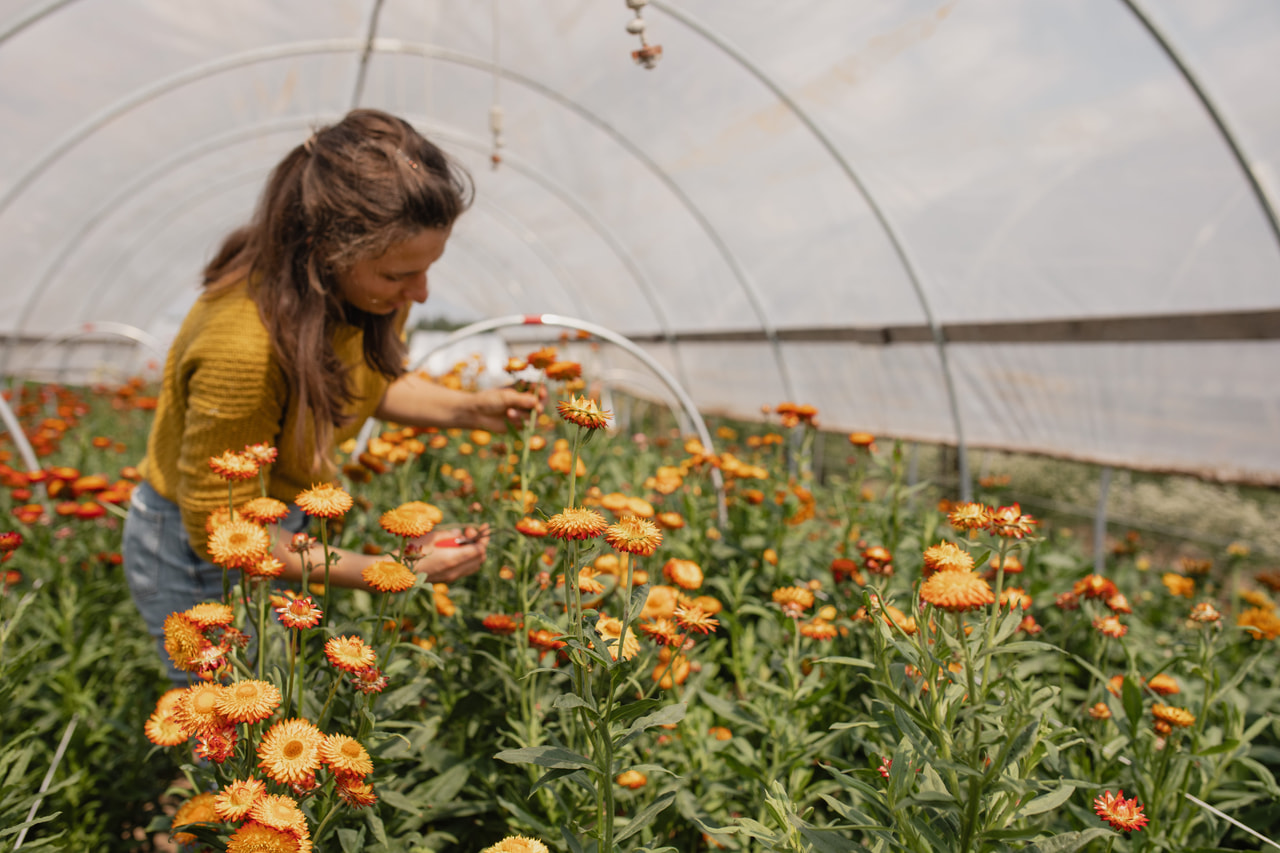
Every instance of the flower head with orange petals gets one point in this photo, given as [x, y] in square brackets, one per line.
[1123, 815]
[577, 523]
[325, 500]
[956, 592]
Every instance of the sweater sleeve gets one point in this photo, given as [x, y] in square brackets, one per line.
[236, 396]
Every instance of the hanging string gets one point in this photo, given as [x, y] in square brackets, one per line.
[495, 110]
[648, 55]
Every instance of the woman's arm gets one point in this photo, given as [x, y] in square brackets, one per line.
[439, 565]
[413, 400]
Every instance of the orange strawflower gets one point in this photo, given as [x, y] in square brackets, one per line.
[610, 630]
[254, 837]
[1095, 586]
[1260, 623]
[969, 516]
[210, 613]
[409, 520]
[230, 465]
[662, 631]
[199, 809]
[1179, 585]
[1111, 626]
[542, 358]
[1164, 684]
[691, 617]
[683, 573]
[262, 453]
[279, 812]
[634, 535]
[794, 600]
[345, 755]
[198, 712]
[264, 510]
[388, 576]
[349, 654]
[1174, 716]
[534, 527]
[1205, 612]
[163, 729]
[238, 544]
[946, 556]
[289, 752]
[631, 779]
[299, 613]
[324, 500]
[248, 701]
[517, 844]
[1123, 815]
[1009, 522]
[577, 523]
[956, 591]
[184, 641]
[1100, 711]
[583, 412]
[355, 792]
[563, 371]
[818, 629]
[502, 624]
[237, 797]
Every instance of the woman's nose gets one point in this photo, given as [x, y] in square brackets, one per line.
[417, 288]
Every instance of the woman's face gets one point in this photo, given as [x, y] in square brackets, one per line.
[385, 284]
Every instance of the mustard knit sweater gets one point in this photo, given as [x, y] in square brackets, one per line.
[224, 389]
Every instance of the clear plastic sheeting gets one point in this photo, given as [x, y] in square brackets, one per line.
[1035, 226]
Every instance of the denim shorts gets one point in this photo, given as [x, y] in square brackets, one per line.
[164, 574]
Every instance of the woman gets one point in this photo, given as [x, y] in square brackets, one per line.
[295, 342]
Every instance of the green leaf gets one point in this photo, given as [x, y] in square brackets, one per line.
[645, 816]
[565, 701]
[1131, 696]
[1045, 802]
[1070, 842]
[351, 841]
[553, 757]
[846, 661]
[1226, 746]
[828, 841]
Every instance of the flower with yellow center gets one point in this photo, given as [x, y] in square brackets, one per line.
[289, 752]
[198, 809]
[610, 630]
[517, 844]
[163, 729]
[355, 792]
[576, 523]
[198, 712]
[583, 412]
[267, 567]
[956, 592]
[345, 755]
[210, 613]
[324, 500]
[794, 600]
[299, 613]
[349, 654]
[239, 543]
[388, 576]
[1174, 716]
[253, 837]
[1123, 815]
[264, 510]
[230, 465]
[690, 617]
[237, 797]
[248, 701]
[683, 573]
[969, 516]
[946, 557]
[662, 631]
[634, 535]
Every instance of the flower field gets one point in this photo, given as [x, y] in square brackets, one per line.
[670, 647]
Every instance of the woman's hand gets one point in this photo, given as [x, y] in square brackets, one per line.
[494, 408]
[449, 555]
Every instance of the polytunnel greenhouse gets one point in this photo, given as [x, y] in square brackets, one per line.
[746, 263]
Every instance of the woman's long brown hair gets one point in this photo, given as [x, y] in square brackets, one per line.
[347, 193]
